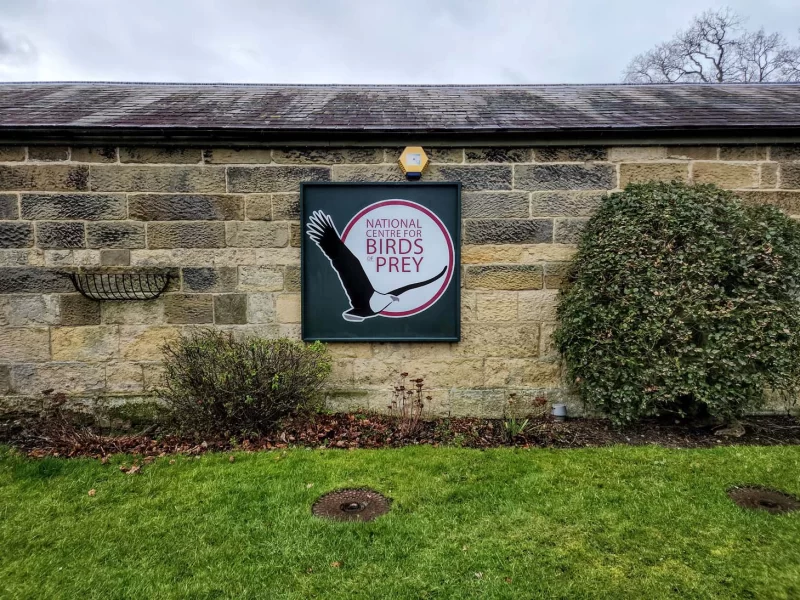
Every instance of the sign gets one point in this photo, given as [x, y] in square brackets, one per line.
[380, 261]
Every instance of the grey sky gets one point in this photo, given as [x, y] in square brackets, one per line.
[348, 41]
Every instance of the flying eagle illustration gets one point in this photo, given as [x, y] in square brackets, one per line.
[365, 300]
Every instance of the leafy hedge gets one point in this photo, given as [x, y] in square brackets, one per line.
[682, 300]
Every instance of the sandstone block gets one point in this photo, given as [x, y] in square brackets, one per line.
[208, 279]
[327, 156]
[32, 280]
[75, 309]
[20, 310]
[30, 257]
[508, 231]
[86, 207]
[451, 372]
[497, 306]
[435, 155]
[230, 309]
[291, 278]
[16, 234]
[545, 252]
[169, 155]
[115, 258]
[469, 306]
[145, 312]
[538, 305]
[273, 178]
[693, 152]
[473, 178]
[340, 350]
[144, 342]
[743, 153]
[786, 201]
[152, 376]
[568, 231]
[726, 175]
[565, 204]
[67, 378]
[124, 377]
[258, 207]
[59, 258]
[646, 172]
[188, 308]
[123, 234]
[521, 372]
[487, 404]
[285, 207]
[366, 173]
[88, 344]
[394, 351]
[94, 154]
[769, 175]
[636, 153]
[295, 235]
[287, 308]
[565, 177]
[6, 385]
[491, 253]
[194, 207]
[256, 234]
[519, 340]
[132, 178]
[8, 207]
[494, 205]
[504, 277]
[48, 153]
[787, 153]
[12, 153]
[497, 155]
[555, 275]
[790, 175]
[241, 156]
[26, 344]
[186, 235]
[60, 234]
[261, 308]
[53, 178]
[547, 346]
[570, 154]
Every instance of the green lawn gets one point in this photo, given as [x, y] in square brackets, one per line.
[619, 522]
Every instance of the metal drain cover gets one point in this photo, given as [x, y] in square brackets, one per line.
[351, 505]
[756, 498]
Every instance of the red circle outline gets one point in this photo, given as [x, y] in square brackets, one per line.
[441, 226]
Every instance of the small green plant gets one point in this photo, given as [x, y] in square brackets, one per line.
[682, 300]
[514, 425]
[407, 404]
[216, 382]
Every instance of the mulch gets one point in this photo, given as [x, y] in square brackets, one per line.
[39, 438]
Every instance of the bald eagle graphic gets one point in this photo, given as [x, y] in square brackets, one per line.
[365, 300]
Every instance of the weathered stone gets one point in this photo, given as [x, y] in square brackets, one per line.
[115, 258]
[12, 153]
[516, 372]
[159, 207]
[6, 386]
[564, 177]
[67, 378]
[16, 234]
[435, 155]
[786, 153]
[332, 156]
[726, 174]
[124, 234]
[75, 309]
[405, 350]
[144, 342]
[472, 177]
[261, 308]
[508, 231]
[568, 231]
[153, 376]
[256, 234]
[499, 339]
[24, 344]
[285, 207]
[128, 178]
[491, 254]
[33, 257]
[142, 312]
[545, 252]
[555, 274]
[378, 173]
[186, 235]
[487, 404]
[94, 154]
[208, 279]
[497, 155]
[291, 278]
[169, 155]
[790, 176]
[214, 256]
[8, 207]
[743, 153]
[59, 258]
[539, 305]
[84, 258]
[273, 178]
[636, 153]
[565, 204]
[237, 156]
[258, 207]
[646, 172]
[497, 306]
[21, 280]
[693, 152]
[287, 307]
[85, 207]
[570, 154]
[52, 178]
[55, 234]
[124, 377]
[547, 346]
[786, 201]
[295, 235]
[769, 175]
[48, 153]
[18, 310]
[95, 344]
[469, 306]
[188, 308]
[450, 372]
[494, 205]
[230, 309]
[504, 277]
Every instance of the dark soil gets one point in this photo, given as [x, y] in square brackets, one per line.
[758, 498]
[61, 437]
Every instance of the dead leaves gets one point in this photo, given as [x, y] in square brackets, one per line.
[92, 492]
[132, 470]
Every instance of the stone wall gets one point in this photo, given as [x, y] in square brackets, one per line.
[227, 221]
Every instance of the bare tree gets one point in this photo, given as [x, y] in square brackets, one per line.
[715, 49]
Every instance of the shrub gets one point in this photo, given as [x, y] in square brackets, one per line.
[682, 300]
[215, 382]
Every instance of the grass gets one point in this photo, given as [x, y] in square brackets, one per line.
[619, 522]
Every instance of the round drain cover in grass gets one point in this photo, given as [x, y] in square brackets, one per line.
[757, 498]
[351, 505]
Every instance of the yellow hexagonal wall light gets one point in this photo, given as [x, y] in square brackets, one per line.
[413, 161]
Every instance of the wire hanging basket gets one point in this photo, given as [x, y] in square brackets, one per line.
[130, 285]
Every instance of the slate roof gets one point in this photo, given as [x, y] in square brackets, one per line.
[528, 109]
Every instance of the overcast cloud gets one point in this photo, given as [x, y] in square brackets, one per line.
[347, 41]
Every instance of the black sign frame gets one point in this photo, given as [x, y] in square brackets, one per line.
[310, 332]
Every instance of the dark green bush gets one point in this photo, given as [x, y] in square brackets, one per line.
[682, 300]
[215, 382]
